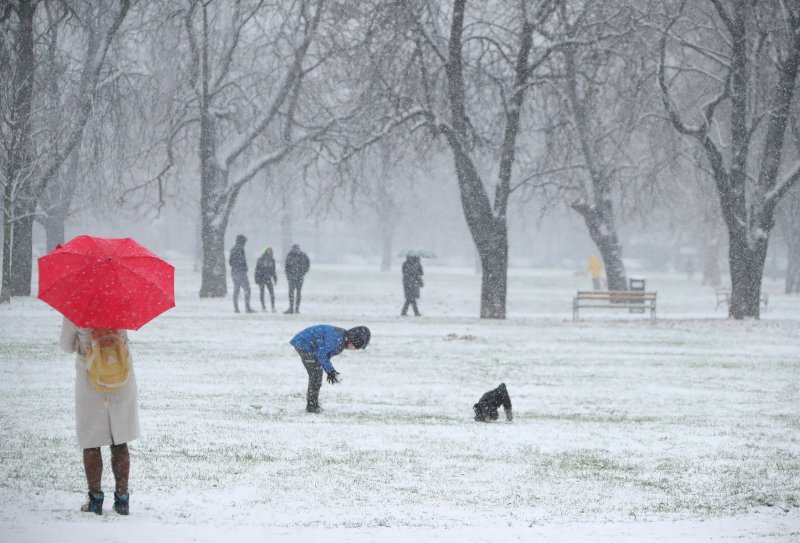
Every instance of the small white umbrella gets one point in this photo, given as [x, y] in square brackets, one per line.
[419, 252]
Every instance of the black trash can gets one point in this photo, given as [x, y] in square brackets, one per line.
[636, 283]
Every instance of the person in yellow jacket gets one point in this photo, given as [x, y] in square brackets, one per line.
[596, 271]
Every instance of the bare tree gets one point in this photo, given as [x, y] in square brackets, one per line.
[740, 60]
[18, 51]
[116, 142]
[488, 60]
[248, 72]
[35, 160]
[598, 101]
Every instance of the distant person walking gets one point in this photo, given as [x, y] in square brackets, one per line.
[412, 282]
[296, 266]
[596, 271]
[264, 276]
[238, 263]
[316, 345]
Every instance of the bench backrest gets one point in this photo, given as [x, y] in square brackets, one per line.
[616, 295]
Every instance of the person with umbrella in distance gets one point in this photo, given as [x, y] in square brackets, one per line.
[412, 282]
[102, 287]
[316, 345]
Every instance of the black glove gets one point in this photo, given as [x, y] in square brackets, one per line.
[334, 377]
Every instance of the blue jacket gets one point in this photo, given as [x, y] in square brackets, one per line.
[323, 341]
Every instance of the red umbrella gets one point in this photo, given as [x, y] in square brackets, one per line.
[106, 282]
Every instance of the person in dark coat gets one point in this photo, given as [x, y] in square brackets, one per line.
[412, 281]
[486, 408]
[316, 345]
[264, 276]
[238, 263]
[296, 266]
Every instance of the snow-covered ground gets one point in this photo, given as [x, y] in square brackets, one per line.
[682, 429]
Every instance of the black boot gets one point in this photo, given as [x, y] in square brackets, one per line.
[95, 503]
[121, 503]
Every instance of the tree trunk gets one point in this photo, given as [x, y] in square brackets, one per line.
[387, 211]
[212, 204]
[793, 264]
[612, 258]
[19, 161]
[213, 283]
[56, 202]
[212, 188]
[597, 211]
[22, 254]
[791, 220]
[489, 234]
[5, 290]
[487, 222]
[494, 282]
[54, 229]
[748, 206]
[29, 178]
[747, 271]
[604, 234]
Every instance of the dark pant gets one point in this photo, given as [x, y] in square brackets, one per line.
[410, 302]
[240, 281]
[315, 372]
[261, 286]
[295, 286]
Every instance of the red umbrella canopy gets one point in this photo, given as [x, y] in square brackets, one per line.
[106, 282]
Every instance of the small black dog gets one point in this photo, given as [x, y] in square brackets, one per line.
[486, 408]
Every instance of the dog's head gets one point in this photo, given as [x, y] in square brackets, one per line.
[480, 413]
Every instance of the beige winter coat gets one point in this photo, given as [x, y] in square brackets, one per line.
[101, 419]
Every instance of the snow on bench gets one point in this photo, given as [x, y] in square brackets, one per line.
[636, 301]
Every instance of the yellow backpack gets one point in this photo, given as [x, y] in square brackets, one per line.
[107, 360]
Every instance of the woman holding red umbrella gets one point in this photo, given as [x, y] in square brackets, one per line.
[102, 419]
[103, 287]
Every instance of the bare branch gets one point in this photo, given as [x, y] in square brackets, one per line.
[291, 78]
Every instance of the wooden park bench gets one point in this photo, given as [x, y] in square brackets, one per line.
[636, 301]
[724, 297]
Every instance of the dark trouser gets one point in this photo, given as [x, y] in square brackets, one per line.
[295, 286]
[261, 286]
[240, 281]
[413, 303]
[314, 378]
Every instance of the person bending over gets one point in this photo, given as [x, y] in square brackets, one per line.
[316, 345]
